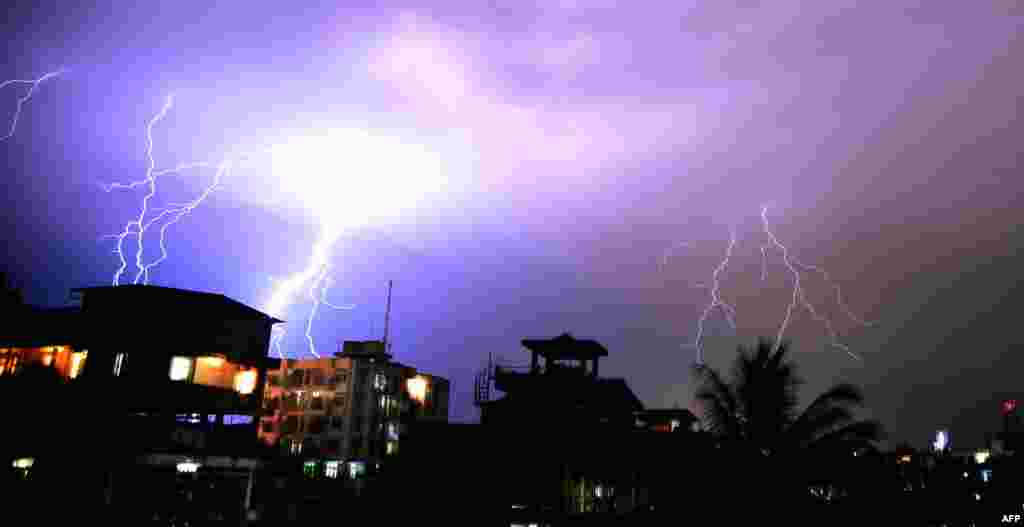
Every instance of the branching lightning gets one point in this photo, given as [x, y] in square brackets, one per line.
[32, 84]
[315, 274]
[716, 301]
[799, 296]
[797, 301]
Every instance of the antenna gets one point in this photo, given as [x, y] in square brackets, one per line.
[387, 319]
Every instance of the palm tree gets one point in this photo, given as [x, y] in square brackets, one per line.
[756, 416]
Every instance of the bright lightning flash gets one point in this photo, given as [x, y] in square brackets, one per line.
[344, 179]
[32, 84]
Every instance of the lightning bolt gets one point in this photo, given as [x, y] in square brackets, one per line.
[33, 84]
[313, 278]
[716, 302]
[799, 297]
[799, 300]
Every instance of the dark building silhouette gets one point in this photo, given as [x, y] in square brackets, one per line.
[146, 386]
[559, 441]
[561, 388]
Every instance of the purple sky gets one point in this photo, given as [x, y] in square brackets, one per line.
[583, 140]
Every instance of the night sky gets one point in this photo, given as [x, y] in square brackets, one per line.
[582, 144]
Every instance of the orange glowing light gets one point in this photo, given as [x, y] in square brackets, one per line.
[417, 388]
[245, 382]
[212, 362]
[77, 361]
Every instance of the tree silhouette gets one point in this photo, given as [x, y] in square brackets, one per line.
[755, 418]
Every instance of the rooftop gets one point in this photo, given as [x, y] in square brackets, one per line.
[197, 300]
[565, 346]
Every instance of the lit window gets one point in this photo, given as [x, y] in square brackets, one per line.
[331, 469]
[188, 467]
[296, 447]
[245, 381]
[181, 368]
[77, 361]
[674, 425]
[981, 456]
[391, 447]
[380, 382]
[356, 469]
[309, 468]
[986, 475]
[236, 419]
[417, 388]
[47, 357]
[23, 462]
[118, 363]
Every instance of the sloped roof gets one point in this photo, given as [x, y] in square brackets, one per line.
[196, 299]
[565, 346]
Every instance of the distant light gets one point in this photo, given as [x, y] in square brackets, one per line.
[1009, 406]
[245, 382]
[905, 459]
[981, 456]
[675, 424]
[986, 475]
[966, 474]
[417, 388]
[23, 462]
[977, 496]
[188, 467]
[941, 440]
[181, 367]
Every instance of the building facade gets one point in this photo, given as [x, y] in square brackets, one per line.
[144, 385]
[349, 411]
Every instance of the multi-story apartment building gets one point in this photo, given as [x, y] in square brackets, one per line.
[352, 407]
[158, 383]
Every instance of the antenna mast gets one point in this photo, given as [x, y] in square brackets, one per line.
[387, 319]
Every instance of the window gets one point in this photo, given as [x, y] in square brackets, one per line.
[356, 469]
[331, 469]
[77, 362]
[309, 468]
[119, 364]
[380, 382]
[296, 447]
[245, 381]
[392, 429]
[392, 448]
[237, 419]
[181, 368]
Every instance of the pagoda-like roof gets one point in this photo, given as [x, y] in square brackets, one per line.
[565, 346]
